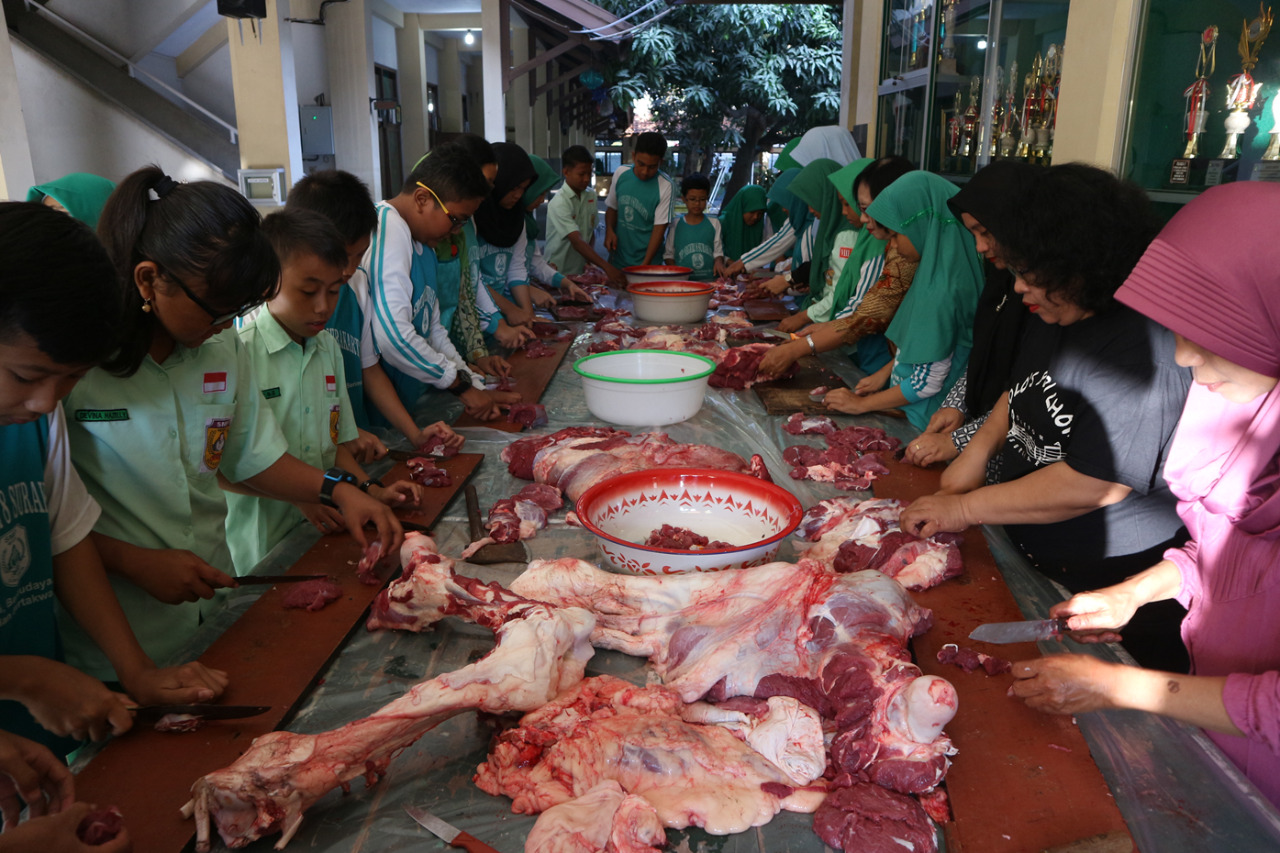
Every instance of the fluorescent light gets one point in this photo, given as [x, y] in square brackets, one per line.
[469, 38]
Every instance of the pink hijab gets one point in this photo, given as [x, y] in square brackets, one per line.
[1213, 276]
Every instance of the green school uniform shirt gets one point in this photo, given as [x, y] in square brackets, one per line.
[695, 246]
[304, 386]
[149, 447]
[642, 206]
[568, 212]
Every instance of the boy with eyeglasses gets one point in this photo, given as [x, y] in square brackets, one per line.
[409, 247]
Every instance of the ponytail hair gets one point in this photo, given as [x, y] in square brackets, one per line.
[192, 230]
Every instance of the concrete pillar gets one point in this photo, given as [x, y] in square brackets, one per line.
[266, 93]
[541, 145]
[864, 100]
[476, 99]
[518, 95]
[411, 56]
[492, 64]
[16, 171]
[453, 86]
[848, 59]
[348, 38]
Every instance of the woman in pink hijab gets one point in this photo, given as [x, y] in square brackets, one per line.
[1213, 278]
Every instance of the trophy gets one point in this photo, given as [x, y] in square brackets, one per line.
[1047, 110]
[955, 128]
[947, 56]
[1030, 107]
[1009, 114]
[1197, 94]
[1242, 91]
[970, 145]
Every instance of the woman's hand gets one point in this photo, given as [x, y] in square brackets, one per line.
[326, 519]
[488, 405]
[572, 290]
[794, 323]
[945, 421]
[932, 514]
[846, 401]
[366, 447]
[174, 576]
[399, 493]
[780, 357]
[439, 428]
[187, 684]
[513, 336]
[57, 833]
[71, 704]
[1098, 614]
[33, 776]
[967, 473]
[734, 268]
[540, 298]
[1067, 684]
[493, 365]
[929, 448]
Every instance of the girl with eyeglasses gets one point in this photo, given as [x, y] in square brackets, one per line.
[176, 406]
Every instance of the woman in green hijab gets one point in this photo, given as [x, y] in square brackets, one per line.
[792, 237]
[933, 328]
[544, 179]
[79, 194]
[742, 223]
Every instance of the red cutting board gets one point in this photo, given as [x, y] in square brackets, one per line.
[1022, 780]
[273, 656]
[531, 376]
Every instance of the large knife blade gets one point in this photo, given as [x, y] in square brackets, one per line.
[1019, 632]
[152, 713]
[447, 832]
[269, 579]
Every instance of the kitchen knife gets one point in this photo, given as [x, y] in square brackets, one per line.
[152, 713]
[447, 832]
[1019, 632]
[254, 579]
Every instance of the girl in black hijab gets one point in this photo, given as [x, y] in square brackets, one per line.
[987, 205]
[500, 231]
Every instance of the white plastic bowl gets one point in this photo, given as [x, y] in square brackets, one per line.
[644, 387]
[751, 513]
[671, 301]
[655, 272]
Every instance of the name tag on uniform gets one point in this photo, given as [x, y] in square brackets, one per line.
[846, 252]
[96, 415]
[271, 393]
[215, 382]
[331, 384]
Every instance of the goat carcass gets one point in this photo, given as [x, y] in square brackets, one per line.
[518, 517]
[606, 818]
[540, 653]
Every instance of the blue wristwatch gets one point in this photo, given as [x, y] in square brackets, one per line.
[332, 478]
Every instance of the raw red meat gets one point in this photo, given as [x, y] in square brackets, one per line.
[550, 330]
[435, 446]
[537, 349]
[853, 536]
[610, 345]
[676, 339]
[313, 595]
[179, 723]
[527, 414]
[683, 539]
[518, 517]
[572, 312]
[591, 275]
[820, 391]
[802, 424]
[862, 439]
[619, 328]
[740, 366]
[969, 660]
[547, 497]
[865, 818]
[424, 472]
[367, 568]
[99, 827]
[838, 466]
[540, 653]
[519, 455]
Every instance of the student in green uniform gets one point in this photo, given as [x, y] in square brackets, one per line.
[178, 404]
[571, 219]
[537, 265]
[79, 194]
[694, 240]
[641, 203]
[345, 201]
[58, 305]
[298, 367]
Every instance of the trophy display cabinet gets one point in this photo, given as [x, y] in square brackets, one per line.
[1205, 105]
[965, 82]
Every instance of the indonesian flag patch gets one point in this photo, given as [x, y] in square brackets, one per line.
[331, 384]
[215, 382]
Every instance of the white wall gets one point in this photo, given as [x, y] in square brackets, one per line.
[209, 85]
[433, 65]
[310, 62]
[384, 43]
[72, 129]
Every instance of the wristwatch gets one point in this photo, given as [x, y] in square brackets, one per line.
[369, 483]
[461, 384]
[332, 478]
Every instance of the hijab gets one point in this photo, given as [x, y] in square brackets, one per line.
[866, 247]
[785, 159]
[797, 211]
[83, 195]
[544, 179]
[991, 197]
[496, 225]
[814, 190]
[936, 315]
[738, 237]
[1224, 454]
[831, 142]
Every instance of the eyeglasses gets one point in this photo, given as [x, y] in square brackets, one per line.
[456, 221]
[216, 318]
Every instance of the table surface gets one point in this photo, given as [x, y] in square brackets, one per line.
[1171, 784]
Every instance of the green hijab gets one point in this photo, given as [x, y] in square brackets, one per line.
[866, 247]
[738, 237]
[814, 190]
[544, 179]
[82, 194]
[785, 160]
[797, 211]
[936, 315]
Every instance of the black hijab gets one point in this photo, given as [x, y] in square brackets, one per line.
[993, 197]
[496, 225]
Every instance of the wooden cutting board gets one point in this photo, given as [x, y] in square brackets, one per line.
[273, 656]
[531, 376]
[1022, 780]
[786, 396]
[765, 310]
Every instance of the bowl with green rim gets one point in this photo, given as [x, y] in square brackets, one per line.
[644, 387]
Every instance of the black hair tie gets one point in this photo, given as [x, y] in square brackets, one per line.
[164, 186]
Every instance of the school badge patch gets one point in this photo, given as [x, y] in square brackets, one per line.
[334, 411]
[15, 555]
[215, 441]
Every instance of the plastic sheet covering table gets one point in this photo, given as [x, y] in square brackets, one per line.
[1174, 788]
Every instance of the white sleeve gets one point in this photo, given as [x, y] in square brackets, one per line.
[488, 309]
[518, 269]
[666, 201]
[359, 285]
[432, 360]
[612, 200]
[718, 250]
[772, 249]
[670, 251]
[72, 513]
[807, 240]
[540, 268]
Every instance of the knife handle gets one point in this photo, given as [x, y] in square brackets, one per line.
[467, 841]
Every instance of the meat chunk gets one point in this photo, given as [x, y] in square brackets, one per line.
[868, 819]
[801, 424]
[435, 446]
[682, 539]
[537, 349]
[740, 367]
[519, 517]
[527, 414]
[424, 472]
[970, 659]
[100, 826]
[367, 568]
[179, 723]
[313, 595]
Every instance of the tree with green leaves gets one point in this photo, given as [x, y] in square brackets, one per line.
[735, 77]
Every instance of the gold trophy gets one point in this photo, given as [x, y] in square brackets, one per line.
[947, 56]
[1009, 115]
[1242, 91]
[969, 147]
[1197, 94]
[1030, 107]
